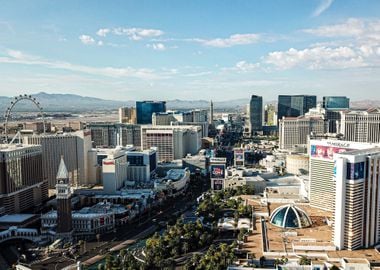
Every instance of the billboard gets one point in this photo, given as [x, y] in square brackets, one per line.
[239, 157]
[355, 171]
[217, 184]
[326, 152]
[217, 171]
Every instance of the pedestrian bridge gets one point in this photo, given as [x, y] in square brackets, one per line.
[20, 233]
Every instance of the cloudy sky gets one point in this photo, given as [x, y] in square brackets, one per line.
[196, 49]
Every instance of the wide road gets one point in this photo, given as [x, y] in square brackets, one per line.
[126, 232]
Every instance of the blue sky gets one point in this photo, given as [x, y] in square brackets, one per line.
[129, 50]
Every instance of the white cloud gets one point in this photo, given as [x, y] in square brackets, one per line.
[233, 40]
[87, 40]
[100, 43]
[137, 33]
[245, 66]
[242, 67]
[103, 32]
[157, 46]
[351, 28]
[316, 58]
[323, 6]
[18, 57]
[361, 35]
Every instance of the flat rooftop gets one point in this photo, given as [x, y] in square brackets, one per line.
[16, 218]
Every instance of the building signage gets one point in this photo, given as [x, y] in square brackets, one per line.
[109, 162]
[325, 152]
[218, 160]
[217, 171]
[338, 144]
[239, 157]
[355, 171]
[217, 184]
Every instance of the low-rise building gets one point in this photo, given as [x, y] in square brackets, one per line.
[297, 164]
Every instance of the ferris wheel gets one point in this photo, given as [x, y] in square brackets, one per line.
[8, 112]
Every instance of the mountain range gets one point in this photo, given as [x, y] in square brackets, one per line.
[77, 103]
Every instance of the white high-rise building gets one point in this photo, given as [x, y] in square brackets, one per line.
[322, 186]
[172, 142]
[72, 146]
[361, 126]
[357, 200]
[114, 170]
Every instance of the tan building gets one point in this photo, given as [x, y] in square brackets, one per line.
[294, 131]
[22, 184]
[127, 115]
[297, 164]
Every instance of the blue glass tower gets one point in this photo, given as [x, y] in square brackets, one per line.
[295, 105]
[336, 102]
[145, 109]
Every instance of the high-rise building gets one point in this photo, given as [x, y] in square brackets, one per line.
[63, 193]
[256, 114]
[141, 164]
[22, 184]
[322, 186]
[295, 105]
[211, 112]
[73, 146]
[145, 109]
[127, 115]
[115, 134]
[163, 118]
[114, 170]
[198, 116]
[361, 126]
[357, 204]
[270, 115]
[294, 131]
[183, 116]
[335, 102]
[172, 142]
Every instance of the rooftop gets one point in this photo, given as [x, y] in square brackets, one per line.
[16, 218]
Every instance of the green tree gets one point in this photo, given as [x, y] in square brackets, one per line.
[304, 261]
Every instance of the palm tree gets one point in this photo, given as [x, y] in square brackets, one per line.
[185, 247]
[304, 261]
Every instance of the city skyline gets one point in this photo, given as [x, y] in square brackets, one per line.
[200, 50]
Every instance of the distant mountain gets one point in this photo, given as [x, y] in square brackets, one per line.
[77, 103]
[364, 104]
[65, 102]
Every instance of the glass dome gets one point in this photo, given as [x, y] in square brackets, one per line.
[290, 216]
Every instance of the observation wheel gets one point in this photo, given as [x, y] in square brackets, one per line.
[8, 112]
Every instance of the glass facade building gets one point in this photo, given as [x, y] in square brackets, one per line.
[295, 105]
[336, 102]
[145, 109]
[256, 113]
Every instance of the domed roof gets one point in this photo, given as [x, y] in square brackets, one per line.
[290, 216]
